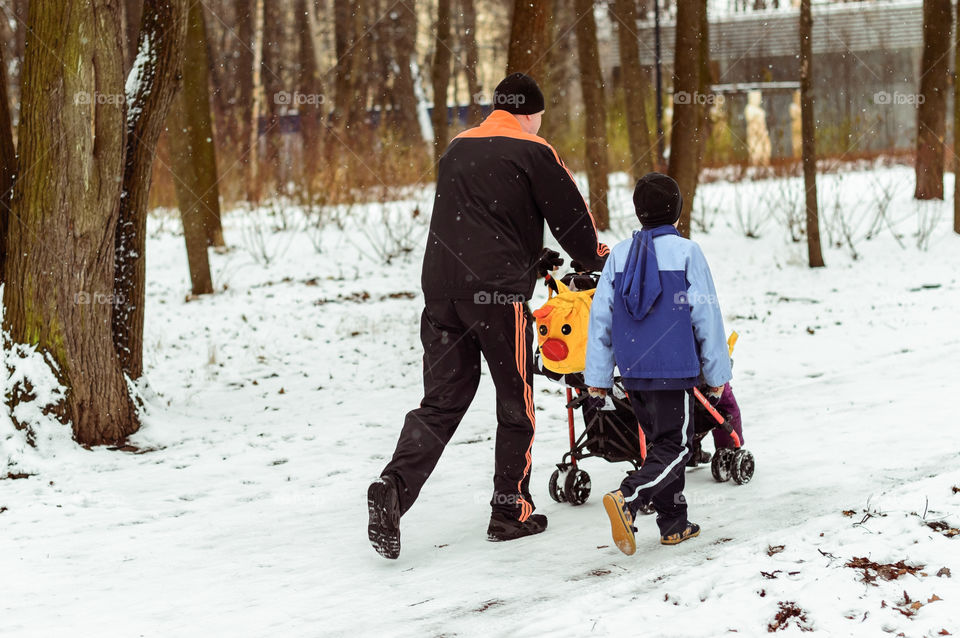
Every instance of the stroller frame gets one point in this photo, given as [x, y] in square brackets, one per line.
[603, 439]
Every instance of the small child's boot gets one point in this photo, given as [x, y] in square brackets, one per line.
[691, 530]
[621, 522]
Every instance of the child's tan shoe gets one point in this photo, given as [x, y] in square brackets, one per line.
[690, 531]
[621, 522]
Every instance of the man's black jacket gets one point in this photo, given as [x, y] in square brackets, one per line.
[495, 188]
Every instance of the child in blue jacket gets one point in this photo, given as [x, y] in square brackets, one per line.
[655, 316]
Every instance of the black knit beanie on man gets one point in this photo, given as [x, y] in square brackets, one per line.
[518, 94]
[657, 200]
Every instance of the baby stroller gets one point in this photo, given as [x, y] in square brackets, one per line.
[612, 433]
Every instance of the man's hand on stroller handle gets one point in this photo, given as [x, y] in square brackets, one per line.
[548, 261]
[597, 393]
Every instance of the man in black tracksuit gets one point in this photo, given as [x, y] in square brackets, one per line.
[497, 184]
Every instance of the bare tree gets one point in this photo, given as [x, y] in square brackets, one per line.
[685, 145]
[192, 205]
[193, 157]
[440, 76]
[808, 133]
[634, 88]
[132, 12]
[472, 59]
[194, 134]
[151, 87]
[242, 121]
[705, 86]
[66, 206]
[256, 95]
[8, 161]
[932, 110]
[956, 133]
[595, 112]
[557, 72]
[528, 37]
[344, 43]
[404, 98]
[309, 83]
[272, 74]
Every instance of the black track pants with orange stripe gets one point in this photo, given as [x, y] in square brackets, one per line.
[455, 333]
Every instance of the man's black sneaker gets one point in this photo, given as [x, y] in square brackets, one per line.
[691, 530]
[383, 506]
[504, 528]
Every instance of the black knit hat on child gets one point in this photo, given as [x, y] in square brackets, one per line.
[518, 94]
[657, 200]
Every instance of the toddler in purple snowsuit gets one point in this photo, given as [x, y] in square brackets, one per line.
[727, 405]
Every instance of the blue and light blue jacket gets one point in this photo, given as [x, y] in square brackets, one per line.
[655, 315]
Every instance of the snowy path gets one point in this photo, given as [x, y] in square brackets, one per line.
[272, 413]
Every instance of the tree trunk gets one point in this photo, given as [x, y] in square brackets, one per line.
[193, 136]
[245, 71]
[956, 132]
[153, 82]
[256, 95]
[932, 110]
[557, 72]
[634, 88]
[193, 157]
[188, 177]
[528, 37]
[471, 60]
[343, 23]
[808, 133]
[66, 204]
[705, 86]
[685, 132]
[8, 162]
[404, 95]
[273, 70]
[441, 79]
[595, 112]
[311, 91]
[352, 40]
[132, 12]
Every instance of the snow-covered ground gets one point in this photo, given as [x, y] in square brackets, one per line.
[272, 404]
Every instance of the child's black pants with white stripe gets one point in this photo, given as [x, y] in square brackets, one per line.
[667, 420]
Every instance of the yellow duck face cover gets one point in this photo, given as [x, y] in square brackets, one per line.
[562, 325]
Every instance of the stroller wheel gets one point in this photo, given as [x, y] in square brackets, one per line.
[742, 466]
[577, 487]
[721, 464]
[555, 488]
